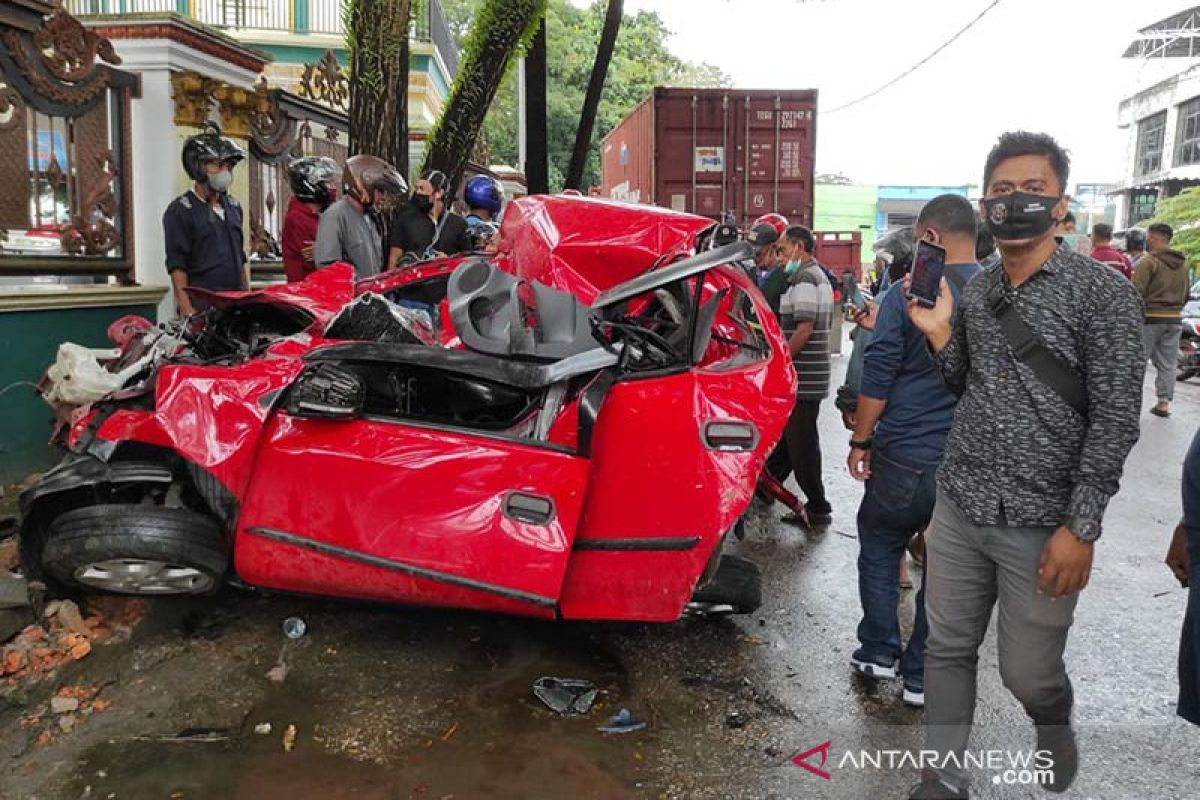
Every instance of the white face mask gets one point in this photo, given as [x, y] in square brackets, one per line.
[221, 181]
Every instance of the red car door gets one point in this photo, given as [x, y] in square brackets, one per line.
[386, 510]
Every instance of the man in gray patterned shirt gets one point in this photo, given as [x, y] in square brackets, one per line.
[1026, 478]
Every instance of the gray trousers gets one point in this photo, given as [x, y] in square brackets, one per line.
[1161, 343]
[969, 570]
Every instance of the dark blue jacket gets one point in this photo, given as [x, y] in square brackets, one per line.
[899, 370]
[199, 242]
[1191, 492]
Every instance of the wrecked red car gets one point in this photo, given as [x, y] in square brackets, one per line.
[569, 429]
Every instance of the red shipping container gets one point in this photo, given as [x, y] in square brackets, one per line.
[716, 151]
[840, 251]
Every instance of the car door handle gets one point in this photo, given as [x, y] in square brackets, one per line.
[730, 435]
[532, 509]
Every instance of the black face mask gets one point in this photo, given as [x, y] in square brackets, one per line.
[1020, 216]
[422, 202]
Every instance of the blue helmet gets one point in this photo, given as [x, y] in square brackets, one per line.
[484, 192]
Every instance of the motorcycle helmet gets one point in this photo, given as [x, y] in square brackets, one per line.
[313, 180]
[364, 173]
[481, 234]
[777, 221]
[1135, 238]
[724, 234]
[896, 248]
[484, 192]
[205, 147]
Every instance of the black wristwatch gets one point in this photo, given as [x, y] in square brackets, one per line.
[865, 444]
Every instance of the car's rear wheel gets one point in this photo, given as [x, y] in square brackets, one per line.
[736, 588]
[136, 549]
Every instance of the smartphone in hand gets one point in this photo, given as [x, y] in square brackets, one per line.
[929, 264]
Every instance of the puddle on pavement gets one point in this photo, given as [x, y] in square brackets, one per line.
[377, 722]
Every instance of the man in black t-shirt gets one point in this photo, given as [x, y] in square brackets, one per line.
[425, 228]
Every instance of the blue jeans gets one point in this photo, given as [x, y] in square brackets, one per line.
[898, 502]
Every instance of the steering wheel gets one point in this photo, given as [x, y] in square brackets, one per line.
[653, 346]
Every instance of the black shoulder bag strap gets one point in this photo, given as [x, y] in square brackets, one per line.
[1029, 350]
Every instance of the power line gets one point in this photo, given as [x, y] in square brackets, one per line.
[919, 64]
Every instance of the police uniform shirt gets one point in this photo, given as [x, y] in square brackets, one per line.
[206, 244]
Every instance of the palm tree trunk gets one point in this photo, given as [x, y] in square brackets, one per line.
[497, 31]
[587, 118]
[377, 42]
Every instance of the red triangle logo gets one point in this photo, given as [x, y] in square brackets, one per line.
[801, 760]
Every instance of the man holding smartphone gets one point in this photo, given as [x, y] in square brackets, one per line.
[903, 417]
[1045, 352]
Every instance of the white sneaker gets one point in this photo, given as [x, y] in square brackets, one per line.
[913, 698]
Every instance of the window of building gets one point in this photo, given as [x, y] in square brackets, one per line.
[899, 220]
[1142, 204]
[1187, 137]
[65, 196]
[1151, 133]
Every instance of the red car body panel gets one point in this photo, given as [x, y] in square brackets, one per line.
[323, 294]
[212, 416]
[398, 511]
[418, 497]
[648, 450]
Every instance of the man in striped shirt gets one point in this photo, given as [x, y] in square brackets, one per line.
[806, 314]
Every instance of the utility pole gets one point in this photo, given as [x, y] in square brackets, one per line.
[537, 163]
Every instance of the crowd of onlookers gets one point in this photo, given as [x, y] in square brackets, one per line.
[990, 428]
[360, 213]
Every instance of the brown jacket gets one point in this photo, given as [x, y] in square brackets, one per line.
[1162, 280]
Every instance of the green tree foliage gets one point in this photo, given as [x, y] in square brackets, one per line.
[640, 62]
[1182, 212]
[497, 31]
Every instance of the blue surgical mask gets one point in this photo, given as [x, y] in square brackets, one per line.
[792, 266]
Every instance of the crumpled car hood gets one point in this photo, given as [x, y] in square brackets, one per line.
[323, 294]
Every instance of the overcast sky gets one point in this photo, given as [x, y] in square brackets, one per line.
[1050, 65]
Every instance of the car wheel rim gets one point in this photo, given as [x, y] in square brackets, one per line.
[143, 576]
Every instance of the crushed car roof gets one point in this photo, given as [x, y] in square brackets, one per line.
[585, 245]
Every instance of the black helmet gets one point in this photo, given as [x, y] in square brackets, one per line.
[364, 173]
[1135, 238]
[313, 179]
[896, 248]
[480, 234]
[201, 148]
[723, 234]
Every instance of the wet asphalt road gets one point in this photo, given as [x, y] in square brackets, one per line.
[412, 703]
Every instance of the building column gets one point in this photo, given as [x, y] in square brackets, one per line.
[300, 16]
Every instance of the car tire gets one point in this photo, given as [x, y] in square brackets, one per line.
[136, 549]
[737, 583]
